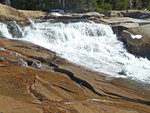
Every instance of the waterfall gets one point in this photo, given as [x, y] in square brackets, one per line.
[88, 44]
[4, 32]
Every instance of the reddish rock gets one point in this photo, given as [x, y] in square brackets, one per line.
[42, 89]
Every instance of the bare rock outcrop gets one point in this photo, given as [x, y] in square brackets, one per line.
[138, 14]
[122, 23]
[8, 13]
[138, 40]
[33, 14]
[126, 19]
[35, 80]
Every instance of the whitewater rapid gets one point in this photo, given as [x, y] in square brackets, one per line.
[91, 45]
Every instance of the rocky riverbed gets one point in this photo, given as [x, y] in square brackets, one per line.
[34, 79]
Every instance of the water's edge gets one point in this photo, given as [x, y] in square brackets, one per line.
[88, 44]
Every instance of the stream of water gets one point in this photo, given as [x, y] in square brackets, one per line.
[91, 45]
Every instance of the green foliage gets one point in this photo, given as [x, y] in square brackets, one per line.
[146, 4]
[105, 5]
[82, 5]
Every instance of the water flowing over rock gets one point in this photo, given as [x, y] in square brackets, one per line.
[14, 29]
[62, 84]
[52, 66]
[88, 44]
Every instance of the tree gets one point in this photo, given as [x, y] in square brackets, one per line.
[130, 2]
[6, 2]
[88, 4]
[79, 5]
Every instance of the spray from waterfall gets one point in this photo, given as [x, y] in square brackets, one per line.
[91, 45]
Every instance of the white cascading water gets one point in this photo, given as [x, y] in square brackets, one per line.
[4, 31]
[91, 45]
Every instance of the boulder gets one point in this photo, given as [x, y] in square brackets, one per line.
[122, 23]
[119, 20]
[138, 14]
[118, 28]
[14, 29]
[33, 14]
[63, 16]
[91, 14]
[114, 14]
[138, 40]
[8, 13]
[74, 17]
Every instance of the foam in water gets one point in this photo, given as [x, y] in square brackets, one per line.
[90, 45]
[4, 31]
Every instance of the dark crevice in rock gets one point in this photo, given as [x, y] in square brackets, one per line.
[68, 73]
[128, 99]
[87, 85]
[38, 96]
[43, 60]
[64, 89]
[23, 46]
[77, 80]
[118, 30]
[68, 17]
[39, 58]
[29, 62]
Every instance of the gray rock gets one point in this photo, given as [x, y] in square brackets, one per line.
[139, 47]
[122, 23]
[114, 14]
[14, 29]
[138, 14]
